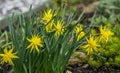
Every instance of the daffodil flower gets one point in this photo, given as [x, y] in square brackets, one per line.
[49, 26]
[92, 45]
[59, 28]
[47, 16]
[8, 56]
[79, 33]
[105, 34]
[35, 43]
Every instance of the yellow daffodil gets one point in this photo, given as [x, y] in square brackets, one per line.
[105, 34]
[91, 45]
[47, 16]
[35, 43]
[49, 26]
[59, 28]
[78, 29]
[79, 33]
[8, 56]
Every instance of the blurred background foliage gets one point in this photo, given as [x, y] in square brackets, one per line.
[107, 11]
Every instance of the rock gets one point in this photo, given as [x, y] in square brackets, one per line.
[73, 61]
[76, 58]
[9, 6]
[85, 66]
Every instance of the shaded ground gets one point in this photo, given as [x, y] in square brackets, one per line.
[76, 65]
[5, 68]
[85, 68]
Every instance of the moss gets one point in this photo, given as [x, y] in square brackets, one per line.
[108, 53]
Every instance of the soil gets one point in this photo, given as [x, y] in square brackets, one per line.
[76, 65]
[5, 68]
[85, 68]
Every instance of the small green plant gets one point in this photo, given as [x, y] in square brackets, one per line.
[104, 49]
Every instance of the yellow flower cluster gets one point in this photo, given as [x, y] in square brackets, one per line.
[36, 42]
[51, 26]
[47, 18]
[79, 33]
[105, 34]
[94, 43]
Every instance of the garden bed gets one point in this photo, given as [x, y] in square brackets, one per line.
[76, 63]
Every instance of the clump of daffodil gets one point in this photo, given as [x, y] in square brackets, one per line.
[79, 33]
[92, 45]
[105, 34]
[47, 16]
[8, 56]
[35, 43]
[59, 28]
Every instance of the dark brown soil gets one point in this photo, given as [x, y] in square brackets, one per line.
[85, 68]
[5, 68]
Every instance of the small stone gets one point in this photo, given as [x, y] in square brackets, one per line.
[68, 71]
[80, 71]
[85, 66]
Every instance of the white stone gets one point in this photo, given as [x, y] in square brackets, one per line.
[9, 6]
